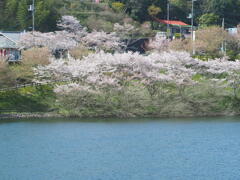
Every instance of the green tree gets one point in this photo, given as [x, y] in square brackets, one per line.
[208, 19]
[228, 9]
[154, 10]
[22, 14]
[2, 5]
[118, 6]
[179, 10]
[179, 3]
[10, 12]
[138, 9]
[42, 14]
[15, 16]
[47, 14]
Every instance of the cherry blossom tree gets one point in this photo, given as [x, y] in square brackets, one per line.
[103, 41]
[52, 40]
[124, 31]
[111, 69]
[71, 36]
[70, 24]
[159, 44]
[106, 69]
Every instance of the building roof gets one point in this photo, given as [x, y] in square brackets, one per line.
[232, 31]
[173, 22]
[6, 43]
[9, 39]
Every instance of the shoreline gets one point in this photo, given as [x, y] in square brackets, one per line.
[55, 115]
[28, 115]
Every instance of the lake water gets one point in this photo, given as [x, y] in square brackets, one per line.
[146, 150]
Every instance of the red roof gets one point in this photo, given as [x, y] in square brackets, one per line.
[176, 23]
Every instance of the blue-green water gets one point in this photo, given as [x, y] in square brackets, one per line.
[145, 150]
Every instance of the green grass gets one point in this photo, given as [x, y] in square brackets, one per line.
[134, 100]
[28, 99]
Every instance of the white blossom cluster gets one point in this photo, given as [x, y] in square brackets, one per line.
[125, 30]
[70, 24]
[215, 67]
[106, 69]
[53, 40]
[159, 44]
[71, 36]
[102, 41]
[73, 87]
[110, 69]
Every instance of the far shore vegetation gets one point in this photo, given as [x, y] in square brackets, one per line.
[78, 65]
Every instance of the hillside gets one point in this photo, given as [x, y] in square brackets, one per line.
[15, 16]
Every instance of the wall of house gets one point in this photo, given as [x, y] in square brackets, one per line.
[10, 54]
[3, 52]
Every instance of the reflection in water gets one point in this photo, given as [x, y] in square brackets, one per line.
[71, 149]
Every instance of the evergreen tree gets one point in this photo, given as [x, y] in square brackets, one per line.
[2, 5]
[228, 9]
[15, 16]
[10, 11]
[22, 14]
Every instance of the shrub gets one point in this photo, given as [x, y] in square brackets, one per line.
[112, 17]
[207, 44]
[209, 40]
[36, 56]
[94, 23]
[181, 45]
[7, 77]
[23, 73]
[154, 10]
[31, 58]
[79, 52]
[118, 6]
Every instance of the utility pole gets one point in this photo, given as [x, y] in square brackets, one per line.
[33, 16]
[168, 18]
[32, 10]
[192, 33]
[223, 43]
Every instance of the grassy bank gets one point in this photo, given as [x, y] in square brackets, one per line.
[134, 100]
[163, 100]
[27, 99]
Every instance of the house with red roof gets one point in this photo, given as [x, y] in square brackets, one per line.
[177, 29]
